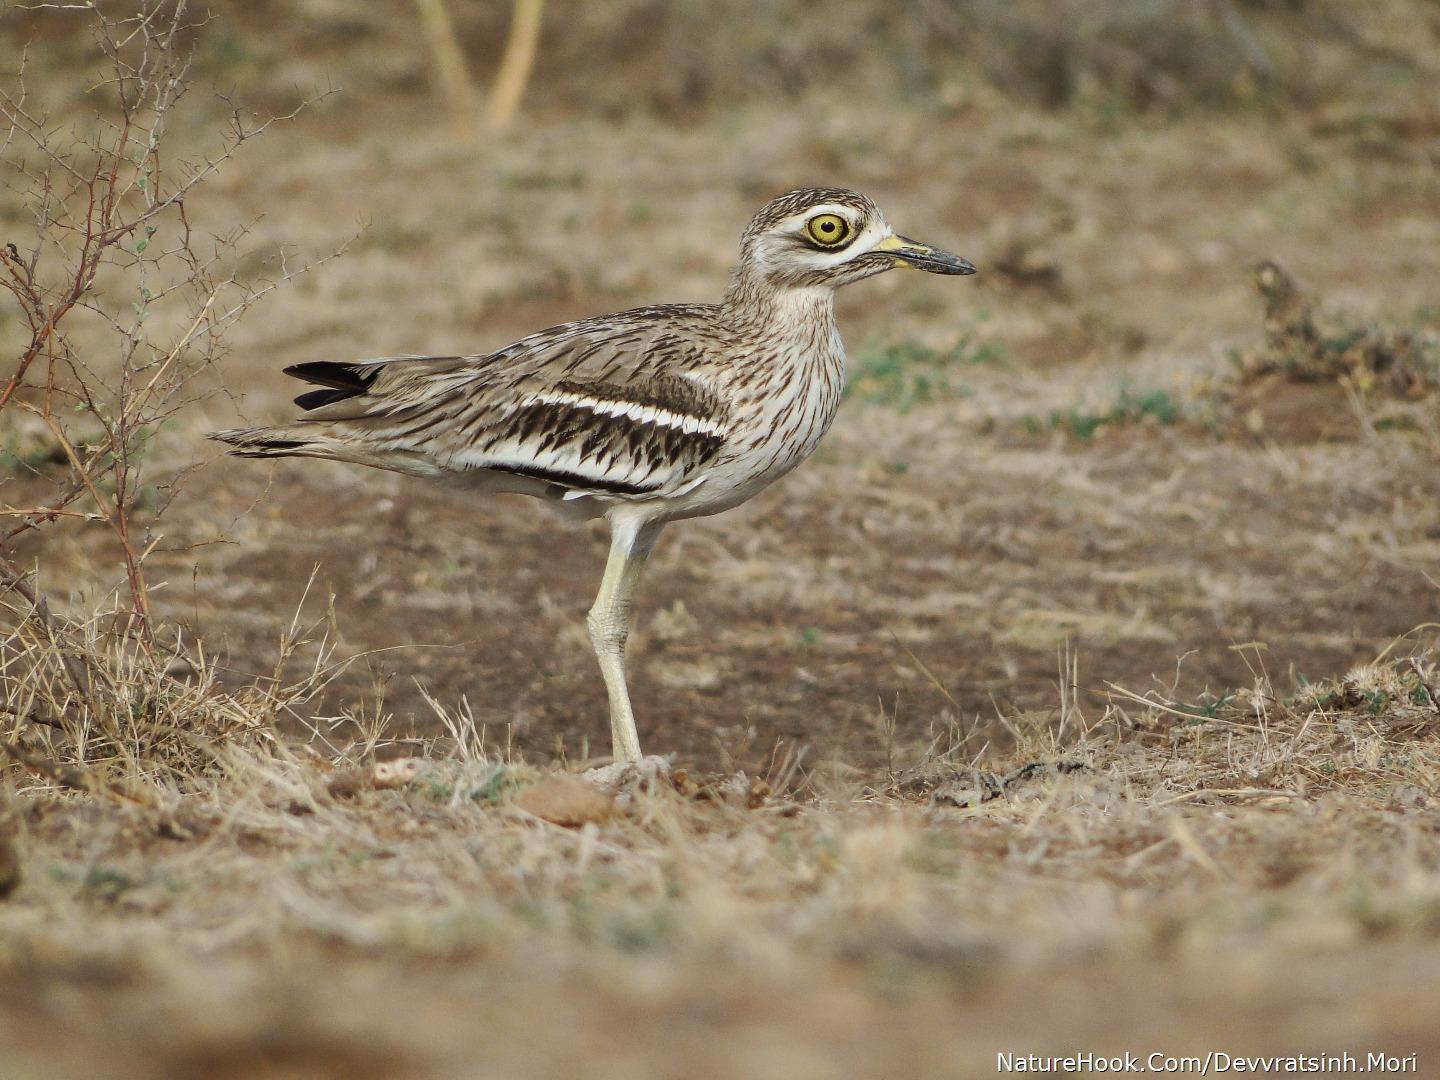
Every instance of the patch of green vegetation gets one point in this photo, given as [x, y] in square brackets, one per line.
[909, 373]
[1396, 423]
[490, 789]
[26, 455]
[97, 882]
[595, 920]
[533, 913]
[228, 51]
[438, 790]
[1130, 407]
[493, 786]
[107, 883]
[1207, 707]
[640, 932]
[540, 180]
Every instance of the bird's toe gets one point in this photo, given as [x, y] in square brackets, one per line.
[624, 778]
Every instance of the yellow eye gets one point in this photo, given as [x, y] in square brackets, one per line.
[828, 230]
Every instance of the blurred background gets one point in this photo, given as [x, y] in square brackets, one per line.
[680, 61]
[1071, 623]
[1108, 442]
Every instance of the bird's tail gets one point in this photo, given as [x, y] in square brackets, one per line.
[340, 425]
[311, 440]
[337, 382]
[263, 442]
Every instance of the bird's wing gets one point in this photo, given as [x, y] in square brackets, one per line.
[634, 437]
[604, 406]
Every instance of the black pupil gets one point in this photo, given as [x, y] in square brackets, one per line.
[827, 226]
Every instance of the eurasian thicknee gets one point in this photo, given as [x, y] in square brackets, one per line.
[642, 417]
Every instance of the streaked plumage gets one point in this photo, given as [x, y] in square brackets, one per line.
[644, 416]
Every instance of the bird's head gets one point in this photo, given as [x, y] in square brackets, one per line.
[827, 237]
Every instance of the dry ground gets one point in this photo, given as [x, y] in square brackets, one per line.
[923, 578]
[1261, 881]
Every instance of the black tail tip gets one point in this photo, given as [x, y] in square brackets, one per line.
[339, 381]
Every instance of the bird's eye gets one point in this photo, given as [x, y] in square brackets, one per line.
[828, 230]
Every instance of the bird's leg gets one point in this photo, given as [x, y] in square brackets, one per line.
[609, 624]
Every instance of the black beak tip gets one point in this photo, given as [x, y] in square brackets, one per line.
[936, 261]
[945, 263]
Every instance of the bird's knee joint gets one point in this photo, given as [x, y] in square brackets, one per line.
[607, 635]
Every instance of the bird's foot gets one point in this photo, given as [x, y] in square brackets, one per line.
[623, 778]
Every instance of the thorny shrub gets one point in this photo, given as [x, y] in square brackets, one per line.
[123, 305]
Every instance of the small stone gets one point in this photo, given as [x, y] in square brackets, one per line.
[566, 800]
[396, 773]
[347, 783]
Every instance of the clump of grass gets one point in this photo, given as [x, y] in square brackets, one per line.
[1307, 341]
[1373, 731]
[87, 706]
[1155, 406]
[1386, 370]
[910, 373]
[1403, 363]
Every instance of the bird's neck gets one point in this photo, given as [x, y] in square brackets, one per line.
[785, 342]
[756, 307]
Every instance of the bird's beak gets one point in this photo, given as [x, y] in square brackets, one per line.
[909, 252]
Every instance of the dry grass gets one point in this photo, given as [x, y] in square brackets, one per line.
[834, 928]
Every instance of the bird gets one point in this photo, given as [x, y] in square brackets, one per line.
[642, 417]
